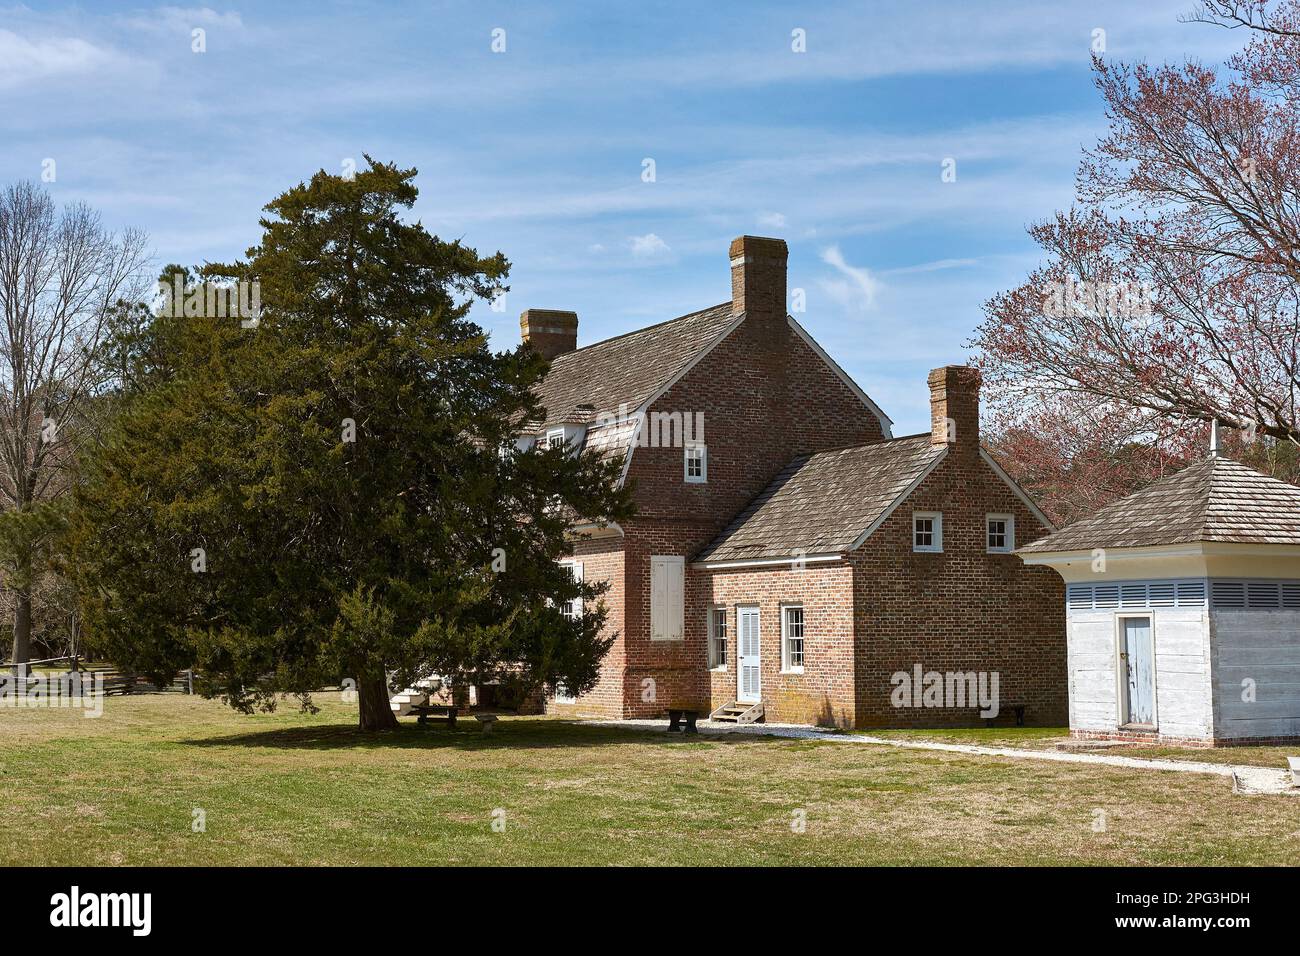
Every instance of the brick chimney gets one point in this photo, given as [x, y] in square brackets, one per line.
[955, 407]
[758, 278]
[551, 332]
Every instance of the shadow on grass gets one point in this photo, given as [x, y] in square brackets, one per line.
[518, 733]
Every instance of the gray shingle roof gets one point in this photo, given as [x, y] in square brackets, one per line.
[822, 503]
[1217, 499]
[628, 369]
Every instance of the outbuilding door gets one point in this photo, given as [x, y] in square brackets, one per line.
[748, 681]
[1139, 671]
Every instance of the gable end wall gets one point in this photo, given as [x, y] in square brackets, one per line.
[960, 610]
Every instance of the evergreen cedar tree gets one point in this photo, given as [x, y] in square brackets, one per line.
[227, 522]
[1193, 194]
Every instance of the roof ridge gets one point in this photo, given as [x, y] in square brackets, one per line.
[863, 444]
[644, 328]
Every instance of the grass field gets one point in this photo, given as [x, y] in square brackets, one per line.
[1047, 738]
[290, 788]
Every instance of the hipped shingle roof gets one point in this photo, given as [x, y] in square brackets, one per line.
[1217, 499]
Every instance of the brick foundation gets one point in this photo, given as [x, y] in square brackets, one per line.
[1159, 739]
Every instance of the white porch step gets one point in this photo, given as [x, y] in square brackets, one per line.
[738, 712]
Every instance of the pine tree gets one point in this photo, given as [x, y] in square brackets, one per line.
[331, 490]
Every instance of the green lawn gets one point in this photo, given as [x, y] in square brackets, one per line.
[291, 788]
[1047, 738]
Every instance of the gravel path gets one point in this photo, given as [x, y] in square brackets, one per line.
[1250, 780]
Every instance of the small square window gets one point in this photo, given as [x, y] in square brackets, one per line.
[555, 438]
[1000, 533]
[697, 464]
[718, 638]
[927, 531]
[792, 638]
[562, 695]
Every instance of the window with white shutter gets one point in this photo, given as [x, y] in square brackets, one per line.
[573, 608]
[667, 598]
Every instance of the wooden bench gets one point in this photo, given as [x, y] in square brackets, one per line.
[675, 721]
[1017, 709]
[428, 712]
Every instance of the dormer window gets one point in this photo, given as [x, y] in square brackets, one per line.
[554, 437]
[697, 463]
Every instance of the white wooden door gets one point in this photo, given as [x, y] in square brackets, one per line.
[1139, 672]
[748, 679]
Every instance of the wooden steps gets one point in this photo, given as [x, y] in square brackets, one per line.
[738, 712]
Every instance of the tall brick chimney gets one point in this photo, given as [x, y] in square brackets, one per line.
[758, 278]
[550, 331]
[955, 407]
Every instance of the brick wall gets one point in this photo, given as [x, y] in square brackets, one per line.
[961, 610]
[824, 693]
[754, 426]
[602, 560]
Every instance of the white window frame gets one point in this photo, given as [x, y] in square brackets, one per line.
[786, 651]
[574, 607]
[715, 637]
[562, 695]
[936, 536]
[703, 459]
[669, 622]
[552, 434]
[1010, 536]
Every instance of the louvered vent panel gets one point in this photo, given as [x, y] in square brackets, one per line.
[1160, 594]
[1080, 597]
[1229, 594]
[1191, 594]
[1263, 594]
[1291, 594]
[1133, 595]
[1106, 595]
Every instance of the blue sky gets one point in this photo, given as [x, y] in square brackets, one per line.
[538, 150]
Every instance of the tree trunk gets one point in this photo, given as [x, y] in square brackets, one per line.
[22, 631]
[376, 710]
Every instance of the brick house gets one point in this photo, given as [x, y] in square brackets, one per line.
[775, 506]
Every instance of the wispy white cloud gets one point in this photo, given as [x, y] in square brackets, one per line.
[649, 248]
[171, 19]
[936, 266]
[857, 288]
[26, 61]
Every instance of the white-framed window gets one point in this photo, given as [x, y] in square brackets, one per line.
[554, 437]
[573, 608]
[927, 531]
[697, 463]
[1000, 533]
[667, 597]
[562, 695]
[718, 638]
[792, 638]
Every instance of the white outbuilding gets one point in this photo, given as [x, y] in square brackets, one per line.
[1183, 610]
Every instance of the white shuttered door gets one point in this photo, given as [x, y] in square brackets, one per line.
[747, 667]
[667, 598]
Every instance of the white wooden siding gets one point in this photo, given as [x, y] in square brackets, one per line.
[1183, 692]
[1263, 646]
